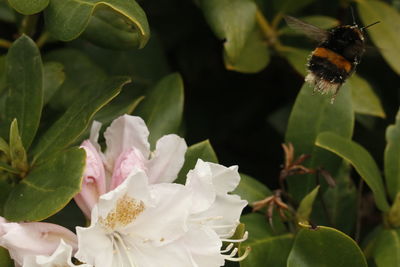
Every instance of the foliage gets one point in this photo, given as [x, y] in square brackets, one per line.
[226, 70]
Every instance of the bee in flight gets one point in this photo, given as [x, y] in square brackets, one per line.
[336, 56]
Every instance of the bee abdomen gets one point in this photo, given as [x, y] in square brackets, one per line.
[329, 65]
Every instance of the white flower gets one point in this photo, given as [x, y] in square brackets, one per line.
[136, 225]
[166, 224]
[127, 149]
[214, 213]
[32, 239]
[60, 258]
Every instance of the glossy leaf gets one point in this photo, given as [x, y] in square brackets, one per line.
[306, 205]
[341, 201]
[162, 107]
[5, 260]
[75, 120]
[268, 248]
[254, 57]
[297, 58]
[25, 87]
[387, 248]
[67, 19]
[311, 115]
[364, 99]
[361, 160]
[47, 188]
[392, 158]
[385, 35]
[110, 30]
[393, 216]
[232, 21]
[54, 77]
[7, 14]
[251, 190]
[202, 150]
[18, 157]
[5, 189]
[290, 6]
[326, 247]
[29, 7]
[80, 73]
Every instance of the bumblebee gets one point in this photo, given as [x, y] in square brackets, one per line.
[336, 57]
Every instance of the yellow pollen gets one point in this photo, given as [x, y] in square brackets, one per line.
[125, 212]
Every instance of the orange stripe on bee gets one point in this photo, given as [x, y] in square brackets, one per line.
[336, 59]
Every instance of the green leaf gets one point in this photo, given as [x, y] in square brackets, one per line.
[393, 216]
[254, 57]
[306, 205]
[75, 120]
[326, 247]
[364, 99]
[25, 87]
[116, 109]
[162, 108]
[110, 30]
[341, 201]
[48, 187]
[5, 189]
[251, 190]
[67, 19]
[290, 6]
[5, 260]
[6, 13]
[54, 77]
[232, 21]
[268, 248]
[323, 22]
[387, 248]
[392, 158]
[19, 159]
[5, 148]
[385, 35]
[8, 168]
[80, 73]
[297, 58]
[29, 7]
[202, 150]
[3, 76]
[311, 115]
[361, 160]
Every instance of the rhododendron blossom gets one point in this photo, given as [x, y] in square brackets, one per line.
[27, 241]
[127, 148]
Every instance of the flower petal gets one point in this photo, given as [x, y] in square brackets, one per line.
[225, 179]
[34, 238]
[95, 247]
[205, 246]
[124, 165]
[124, 133]
[168, 159]
[135, 186]
[200, 183]
[60, 257]
[94, 180]
[165, 221]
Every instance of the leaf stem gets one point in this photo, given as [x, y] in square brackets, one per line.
[268, 31]
[28, 25]
[5, 43]
[41, 41]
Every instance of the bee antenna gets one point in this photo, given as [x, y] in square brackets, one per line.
[352, 15]
[372, 24]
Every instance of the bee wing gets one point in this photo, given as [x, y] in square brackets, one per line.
[311, 31]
